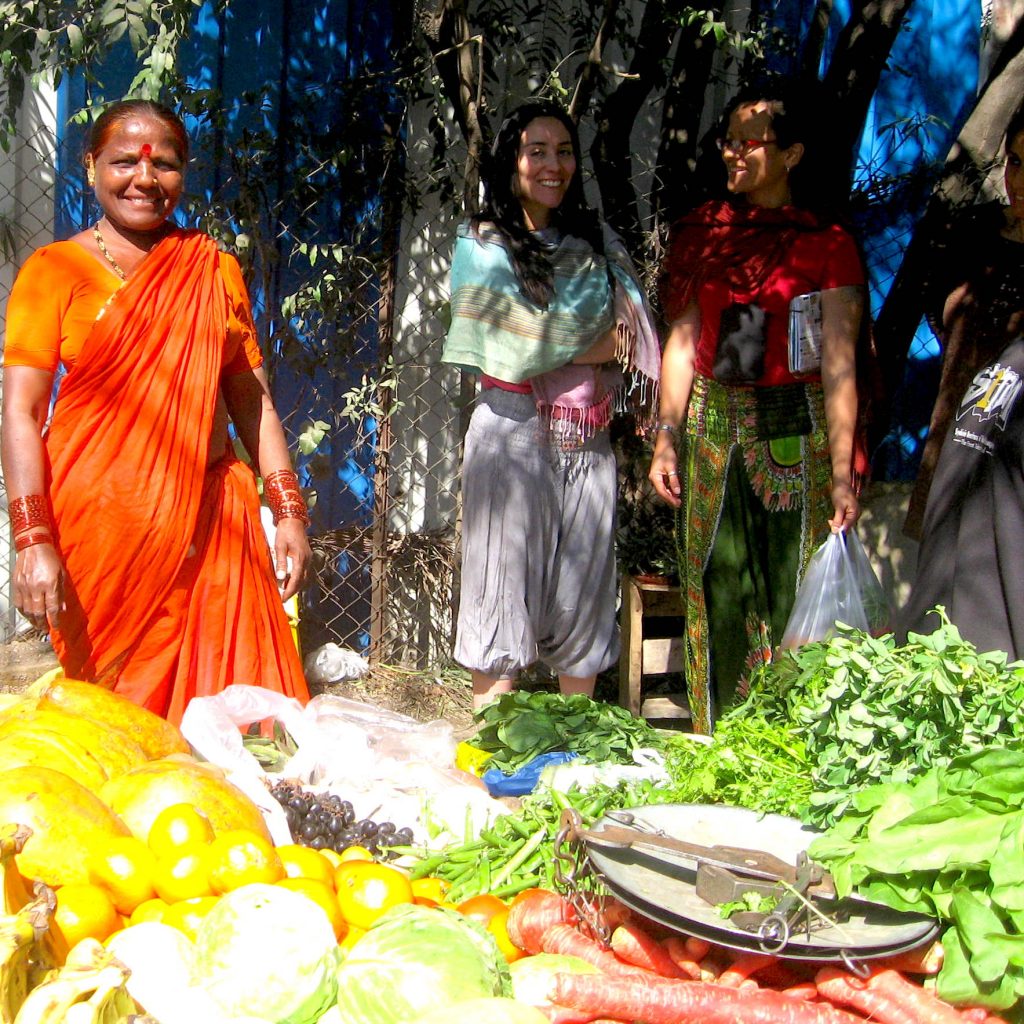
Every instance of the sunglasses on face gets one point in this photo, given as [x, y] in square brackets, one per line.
[741, 147]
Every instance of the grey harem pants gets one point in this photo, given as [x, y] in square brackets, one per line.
[538, 546]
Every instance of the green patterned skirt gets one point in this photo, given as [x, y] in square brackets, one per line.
[757, 485]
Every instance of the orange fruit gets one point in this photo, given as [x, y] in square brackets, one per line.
[177, 827]
[367, 889]
[184, 875]
[355, 853]
[239, 857]
[302, 862]
[482, 908]
[351, 938]
[333, 858]
[84, 911]
[527, 894]
[430, 888]
[497, 927]
[187, 915]
[150, 910]
[322, 894]
[124, 867]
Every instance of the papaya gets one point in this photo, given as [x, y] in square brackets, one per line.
[155, 735]
[139, 795]
[67, 822]
[112, 748]
[49, 750]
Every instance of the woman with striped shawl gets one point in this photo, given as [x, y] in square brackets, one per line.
[546, 309]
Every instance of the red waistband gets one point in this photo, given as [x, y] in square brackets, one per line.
[504, 385]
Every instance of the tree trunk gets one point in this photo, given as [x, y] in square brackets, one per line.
[611, 150]
[678, 187]
[861, 53]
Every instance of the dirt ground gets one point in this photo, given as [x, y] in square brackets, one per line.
[427, 695]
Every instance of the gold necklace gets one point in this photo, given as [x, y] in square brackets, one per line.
[106, 253]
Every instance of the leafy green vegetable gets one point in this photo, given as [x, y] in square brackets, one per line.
[416, 959]
[519, 726]
[750, 762]
[748, 901]
[267, 952]
[870, 710]
[950, 844]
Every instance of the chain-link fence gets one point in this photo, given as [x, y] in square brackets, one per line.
[27, 195]
[375, 418]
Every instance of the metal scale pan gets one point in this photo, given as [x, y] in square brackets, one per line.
[663, 887]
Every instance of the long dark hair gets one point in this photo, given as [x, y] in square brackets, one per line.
[502, 207]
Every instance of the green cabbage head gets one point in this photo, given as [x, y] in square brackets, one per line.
[416, 959]
[267, 952]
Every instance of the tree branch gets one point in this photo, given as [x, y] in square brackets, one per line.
[458, 56]
[592, 68]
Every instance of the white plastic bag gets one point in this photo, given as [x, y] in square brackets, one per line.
[649, 765]
[333, 664]
[839, 586]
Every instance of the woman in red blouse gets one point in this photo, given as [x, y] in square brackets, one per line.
[756, 452]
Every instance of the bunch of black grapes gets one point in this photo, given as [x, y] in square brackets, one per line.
[324, 821]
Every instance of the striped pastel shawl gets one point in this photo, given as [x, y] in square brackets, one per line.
[496, 331]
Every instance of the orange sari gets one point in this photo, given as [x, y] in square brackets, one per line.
[169, 585]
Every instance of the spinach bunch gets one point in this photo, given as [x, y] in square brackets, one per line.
[948, 844]
[870, 710]
[521, 725]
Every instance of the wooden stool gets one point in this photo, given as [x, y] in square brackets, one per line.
[645, 599]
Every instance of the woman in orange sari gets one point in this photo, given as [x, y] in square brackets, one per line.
[136, 528]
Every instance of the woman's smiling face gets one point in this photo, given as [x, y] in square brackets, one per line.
[544, 168]
[757, 166]
[140, 174]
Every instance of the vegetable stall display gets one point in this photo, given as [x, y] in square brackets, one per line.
[151, 857]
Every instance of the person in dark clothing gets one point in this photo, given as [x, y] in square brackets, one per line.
[975, 302]
[971, 559]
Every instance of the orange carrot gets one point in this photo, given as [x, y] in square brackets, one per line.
[925, 1004]
[532, 915]
[743, 967]
[686, 1002]
[563, 938]
[805, 990]
[615, 913]
[697, 948]
[675, 946]
[781, 975]
[636, 946]
[923, 960]
[845, 989]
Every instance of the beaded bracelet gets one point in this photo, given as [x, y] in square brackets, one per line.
[28, 512]
[28, 540]
[670, 427]
[281, 489]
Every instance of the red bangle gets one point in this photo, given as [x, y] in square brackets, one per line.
[281, 489]
[28, 512]
[28, 540]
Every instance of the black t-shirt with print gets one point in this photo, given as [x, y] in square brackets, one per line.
[971, 558]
